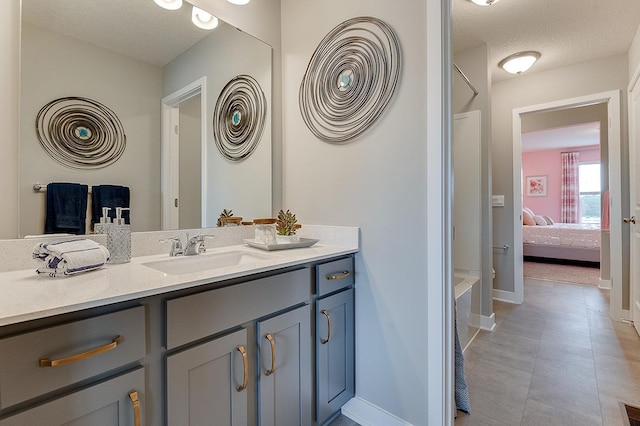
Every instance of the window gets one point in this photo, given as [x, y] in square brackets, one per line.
[589, 186]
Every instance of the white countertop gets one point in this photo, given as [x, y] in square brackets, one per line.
[25, 295]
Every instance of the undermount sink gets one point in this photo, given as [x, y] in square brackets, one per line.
[206, 262]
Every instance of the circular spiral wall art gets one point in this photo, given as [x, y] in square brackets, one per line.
[350, 79]
[80, 133]
[239, 118]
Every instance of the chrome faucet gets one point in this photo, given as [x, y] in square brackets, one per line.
[195, 245]
[176, 246]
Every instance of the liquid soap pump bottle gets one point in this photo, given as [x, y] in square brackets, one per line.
[119, 239]
[105, 222]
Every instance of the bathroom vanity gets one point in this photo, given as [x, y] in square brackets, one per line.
[267, 342]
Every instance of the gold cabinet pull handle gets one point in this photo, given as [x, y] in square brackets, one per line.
[46, 362]
[326, 314]
[338, 275]
[273, 355]
[245, 363]
[133, 395]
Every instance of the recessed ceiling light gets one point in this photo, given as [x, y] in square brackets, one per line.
[202, 19]
[239, 2]
[485, 2]
[519, 62]
[169, 4]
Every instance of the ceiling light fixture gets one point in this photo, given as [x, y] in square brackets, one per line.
[239, 2]
[485, 2]
[519, 62]
[169, 4]
[202, 19]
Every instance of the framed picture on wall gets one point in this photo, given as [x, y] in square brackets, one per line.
[536, 186]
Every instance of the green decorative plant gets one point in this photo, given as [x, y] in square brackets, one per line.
[225, 213]
[286, 223]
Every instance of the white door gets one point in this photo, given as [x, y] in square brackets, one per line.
[634, 187]
[173, 177]
[170, 174]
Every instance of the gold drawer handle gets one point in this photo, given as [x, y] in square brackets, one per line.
[245, 363]
[46, 362]
[273, 355]
[133, 395]
[338, 276]
[326, 314]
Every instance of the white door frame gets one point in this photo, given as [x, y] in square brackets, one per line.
[634, 277]
[612, 99]
[169, 176]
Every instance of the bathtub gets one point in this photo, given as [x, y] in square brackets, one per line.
[468, 300]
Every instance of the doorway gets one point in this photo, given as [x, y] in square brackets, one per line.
[183, 175]
[612, 102]
[189, 164]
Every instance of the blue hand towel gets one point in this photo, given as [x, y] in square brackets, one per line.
[66, 208]
[463, 402]
[69, 257]
[111, 196]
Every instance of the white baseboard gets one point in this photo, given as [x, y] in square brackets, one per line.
[504, 296]
[488, 322]
[483, 322]
[367, 414]
[604, 284]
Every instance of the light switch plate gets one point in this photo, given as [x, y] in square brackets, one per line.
[497, 200]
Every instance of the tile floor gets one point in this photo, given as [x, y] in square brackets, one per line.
[343, 421]
[557, 359]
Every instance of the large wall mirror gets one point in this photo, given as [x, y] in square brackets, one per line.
[144, 62]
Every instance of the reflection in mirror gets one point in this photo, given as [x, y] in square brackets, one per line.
[134, 57]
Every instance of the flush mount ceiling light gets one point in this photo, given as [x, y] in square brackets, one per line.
[519, 62]
[169, 4]
[239, 2]
[202, 19]
[485, 2]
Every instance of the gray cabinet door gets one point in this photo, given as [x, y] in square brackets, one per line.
[107, 403]
[284, 386]
[335, 377]
[206, 385]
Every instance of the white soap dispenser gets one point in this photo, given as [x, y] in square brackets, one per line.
[105, 221]
[119, 239]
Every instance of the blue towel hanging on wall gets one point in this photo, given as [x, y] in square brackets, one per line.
[66, 208]
[111, 196]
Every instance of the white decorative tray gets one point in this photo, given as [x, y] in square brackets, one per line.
[304, 242]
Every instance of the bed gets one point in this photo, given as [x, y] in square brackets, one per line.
[566, 241]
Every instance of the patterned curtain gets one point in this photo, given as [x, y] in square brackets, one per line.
[570, 193]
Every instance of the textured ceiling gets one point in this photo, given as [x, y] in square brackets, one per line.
[136, 28]
[564, 31]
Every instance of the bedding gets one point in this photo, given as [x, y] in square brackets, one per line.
[569, 241]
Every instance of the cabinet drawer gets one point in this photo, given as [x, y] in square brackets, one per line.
[200, 315]
[107, 403]
[336, 275]
[77, 350]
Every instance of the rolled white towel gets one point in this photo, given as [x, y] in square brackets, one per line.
[69, 257]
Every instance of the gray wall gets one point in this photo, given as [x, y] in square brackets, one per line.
[473, 63]
[55, 66]
[378, 182]
[9, 115]
[261, 19]
[634, 54]
[243, 186]
[531, 89]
